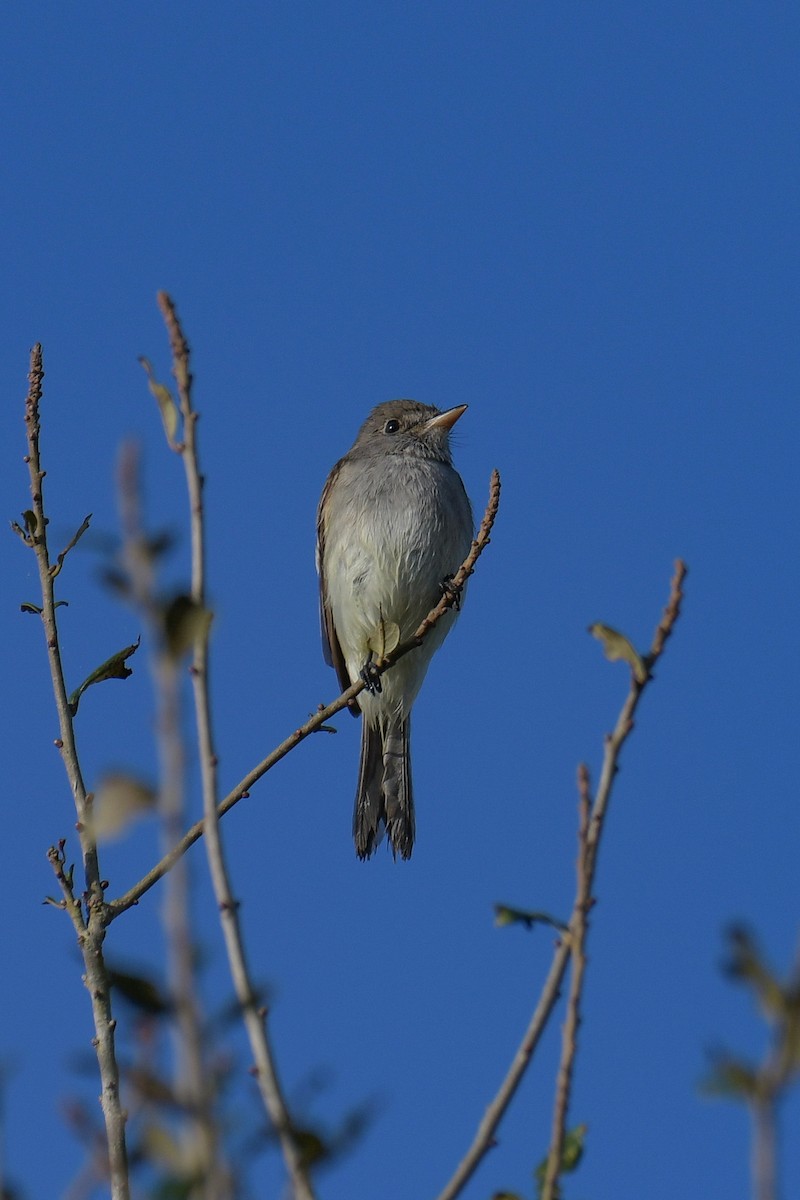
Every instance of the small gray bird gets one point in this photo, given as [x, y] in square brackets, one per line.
[393, 524]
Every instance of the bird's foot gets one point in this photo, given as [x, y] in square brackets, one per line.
[453, 593]
[370, 676]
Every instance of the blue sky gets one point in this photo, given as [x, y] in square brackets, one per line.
[580, 220]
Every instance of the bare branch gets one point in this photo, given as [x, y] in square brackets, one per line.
[193, 1081]
[38, 540]
[577, 944]
[671, 612]
[254, 1016]
[89, 928]
[591, 830]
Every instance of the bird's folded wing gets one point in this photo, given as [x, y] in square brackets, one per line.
[331, 650]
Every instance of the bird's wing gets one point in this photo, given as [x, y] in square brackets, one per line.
[331, 650]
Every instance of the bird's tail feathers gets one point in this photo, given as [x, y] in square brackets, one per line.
[384, 798]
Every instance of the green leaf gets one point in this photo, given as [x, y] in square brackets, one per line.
[571, 1155]
[119, 800]
[617, 648]
[170, 413]
[27, 607]
[572, 1152]
[184, 623]
[113, 668]
[504, 914]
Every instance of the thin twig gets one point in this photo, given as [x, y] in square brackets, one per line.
[254, 1016]
[323, 714]
[89, 925]
[577, 945]
[764, 1147]
[193, 1082]
[485, 1135]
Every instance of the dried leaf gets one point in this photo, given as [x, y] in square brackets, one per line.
[617, 648]
[113, 668]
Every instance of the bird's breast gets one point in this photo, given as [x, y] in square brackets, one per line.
[393, 535]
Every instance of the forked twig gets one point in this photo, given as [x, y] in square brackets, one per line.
[88, 918]
[592, 822]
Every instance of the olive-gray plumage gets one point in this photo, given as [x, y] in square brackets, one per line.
[394, 522]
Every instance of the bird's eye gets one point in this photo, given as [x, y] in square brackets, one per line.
[391, 426]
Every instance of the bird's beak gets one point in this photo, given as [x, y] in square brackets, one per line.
[445, 420]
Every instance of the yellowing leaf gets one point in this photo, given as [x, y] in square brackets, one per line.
[617, 648]
[184, 622]
[170, 414]
[385, 639]
[119, 800]
[161, 1147]
[504, 914]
